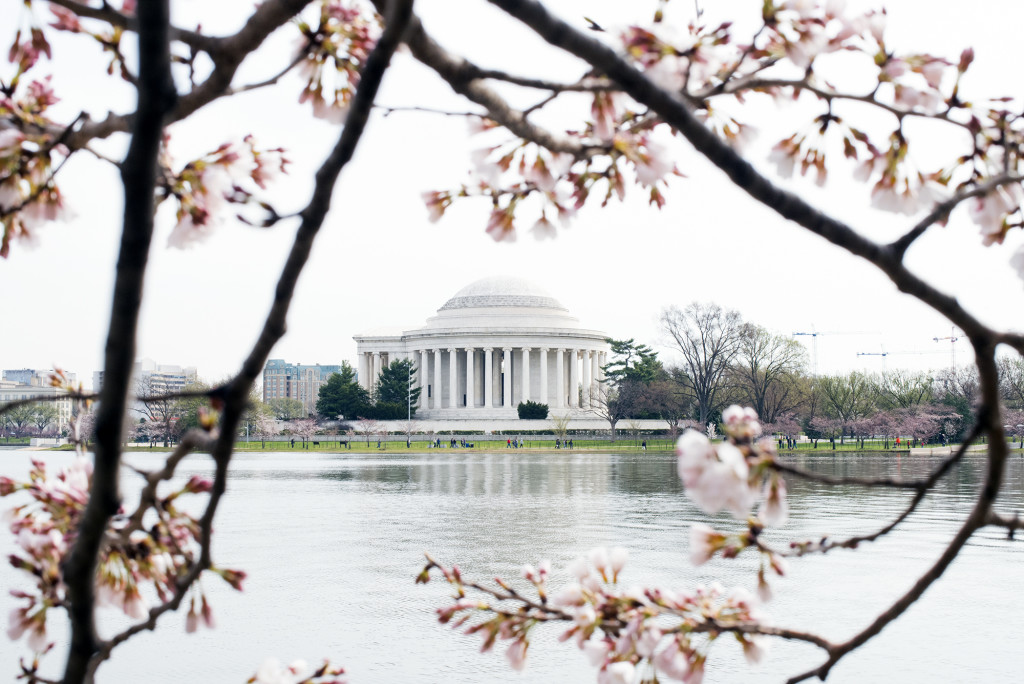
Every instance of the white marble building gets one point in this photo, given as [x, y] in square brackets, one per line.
[497, 342]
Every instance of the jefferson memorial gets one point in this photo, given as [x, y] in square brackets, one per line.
[497, 342]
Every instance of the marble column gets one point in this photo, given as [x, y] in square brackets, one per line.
[587, 379]
[506, 375]
[488, 377]
[574, 378]
[424, 379]
[560, 378]
[454, 398]
[364, 370]
[375, 374]
[526, 374]
[543, 375]
[436, 389]
[470, 378]
[595, 372]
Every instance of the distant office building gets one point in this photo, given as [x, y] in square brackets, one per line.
[283, 380]
[33, 376]
[159, 378]
[13, 391]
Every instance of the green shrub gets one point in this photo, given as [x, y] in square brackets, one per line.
[531, 409]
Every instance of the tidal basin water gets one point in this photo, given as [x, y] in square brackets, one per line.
[332, 544]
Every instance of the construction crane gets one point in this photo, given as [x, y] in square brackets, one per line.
[952, 337]
[815, 334]
[884, 354]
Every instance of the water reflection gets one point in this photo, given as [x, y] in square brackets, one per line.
[332, 543]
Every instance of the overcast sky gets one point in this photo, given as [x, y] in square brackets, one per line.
[379, 262]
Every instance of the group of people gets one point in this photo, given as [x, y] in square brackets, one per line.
[560, 444]
[452, 443]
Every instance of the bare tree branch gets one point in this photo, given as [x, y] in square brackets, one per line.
[465, 78]
[45, 398]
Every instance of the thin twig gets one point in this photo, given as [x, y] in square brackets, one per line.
[942, 210]
[270, 81]
[46, 398]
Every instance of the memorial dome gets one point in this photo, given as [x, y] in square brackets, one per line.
[502, 291]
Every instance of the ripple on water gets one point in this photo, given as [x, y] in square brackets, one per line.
[333, 542]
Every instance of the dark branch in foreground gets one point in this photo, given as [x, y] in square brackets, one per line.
[156, 99]
[826, 545]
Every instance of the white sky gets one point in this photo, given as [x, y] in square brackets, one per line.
[379, 262]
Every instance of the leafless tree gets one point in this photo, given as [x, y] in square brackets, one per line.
[157, 406]
[709, 339]
[901, 388]
[1011, 380]
[767, 370]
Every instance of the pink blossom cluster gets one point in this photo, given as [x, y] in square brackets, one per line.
[621, 631]
[332, 55]
[272, 671]
[29, 197]
[135, 562]
[511, 171]
[205, 186]
[735, 473]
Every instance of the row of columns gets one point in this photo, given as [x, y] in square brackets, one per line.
[371, 363]
[432, 388]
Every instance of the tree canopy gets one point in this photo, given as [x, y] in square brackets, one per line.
[395, 384]
[342, 395]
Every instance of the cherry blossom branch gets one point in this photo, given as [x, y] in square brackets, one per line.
[789, 206]
[269, 81]
[46, 398]
[587, 84]
[713, 626]
[193, 440]
[919, 485]
[156, 98]
[828, 95]
[989, 422]
[846, 480]
[212, 393]
[826, 545]
[464, 78]
[111, 16]
[227, 54]
[388, 111]
[943, 209]
[236, 392]
[741, 172]
[47, 184]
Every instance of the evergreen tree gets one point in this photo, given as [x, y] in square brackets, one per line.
[393, 385]
[632, 362]
[342, 395]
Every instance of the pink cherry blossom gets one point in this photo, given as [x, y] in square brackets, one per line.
[621, 672]
[774, 508]
[543, 229]
[516, 654]
[704, 542]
